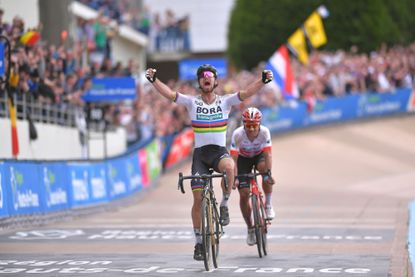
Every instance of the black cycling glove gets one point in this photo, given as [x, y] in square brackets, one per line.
[266, 80]
[151, 77]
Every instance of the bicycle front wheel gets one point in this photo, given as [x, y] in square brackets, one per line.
[206, 232]
[257, 223]
[264, 228]
[216, 234]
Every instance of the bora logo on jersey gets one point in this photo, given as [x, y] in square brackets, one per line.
[213, 113]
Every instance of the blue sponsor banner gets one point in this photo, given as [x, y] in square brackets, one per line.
[2, 67]
[134, 175]
[78, 181]
[98, 182]
[377, 104]
[4, 211]
[188, 67]
[111, 89]
[117, 178]
[25, 193]
[279, 119]
[332, 110]
[55, 185]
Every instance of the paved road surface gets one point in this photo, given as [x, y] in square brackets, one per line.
[342, 209]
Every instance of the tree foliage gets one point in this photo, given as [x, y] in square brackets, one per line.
[258, 28]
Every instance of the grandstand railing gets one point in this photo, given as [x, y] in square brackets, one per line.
[62, 114]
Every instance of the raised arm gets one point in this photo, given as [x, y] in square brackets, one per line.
[256, 85]
[162, 88]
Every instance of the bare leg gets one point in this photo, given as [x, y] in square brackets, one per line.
[227, 164]
[245, 206]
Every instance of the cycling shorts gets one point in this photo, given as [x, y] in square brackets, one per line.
[245, 165]
[204, 158]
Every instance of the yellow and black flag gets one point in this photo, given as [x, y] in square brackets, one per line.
[314, 30]
[298, 46]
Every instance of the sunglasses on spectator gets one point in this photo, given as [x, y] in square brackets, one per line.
[207, 74]
[251, 124]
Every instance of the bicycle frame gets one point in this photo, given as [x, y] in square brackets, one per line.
[211, 226]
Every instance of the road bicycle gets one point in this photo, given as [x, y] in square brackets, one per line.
[211, 228]
[261, 220]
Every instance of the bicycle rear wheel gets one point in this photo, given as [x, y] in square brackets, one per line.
[264, 228]
[257, 223]
[206, 233]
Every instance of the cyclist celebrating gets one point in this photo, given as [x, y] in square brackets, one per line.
[209, 116]
[251, 145]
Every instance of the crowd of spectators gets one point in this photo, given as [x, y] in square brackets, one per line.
[58, 75]
[329, 74]
[52, 74]
[166, 32]
[349, 72]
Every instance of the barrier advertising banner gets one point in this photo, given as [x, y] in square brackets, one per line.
[54, 186]
[181, 147]
[134, 179]
[98, 182]
[4, 211]
[331, 110]
[280, 119]
[376, 104]
[153, 159]
[117, 178]
[2, 65]
[78, 180]
[24, 192]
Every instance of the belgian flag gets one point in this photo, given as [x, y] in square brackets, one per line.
[13, 120]
[30, 38]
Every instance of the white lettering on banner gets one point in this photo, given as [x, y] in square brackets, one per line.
[280, 124]
[57, 197]
[98, 188]
[135, 181]
[329, 115]
[115, 91]
[80, 187]
[27, 199]
[382, 107]
[119, 188]
[247, 271]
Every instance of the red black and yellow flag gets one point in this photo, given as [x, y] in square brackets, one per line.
[30, 38]
[13, 120]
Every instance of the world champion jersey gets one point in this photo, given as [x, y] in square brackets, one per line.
[209, 121]
[241, 145]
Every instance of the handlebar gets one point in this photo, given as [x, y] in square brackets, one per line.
[253, 174]
[202, 177]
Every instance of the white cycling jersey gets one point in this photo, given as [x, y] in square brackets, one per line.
[209, 121]
[241, 145]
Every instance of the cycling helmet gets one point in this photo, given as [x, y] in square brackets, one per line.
[206, 67]
[252, 115]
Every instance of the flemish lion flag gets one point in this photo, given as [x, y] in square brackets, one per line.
[314, 29]
[297, 44]
[13, 121]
